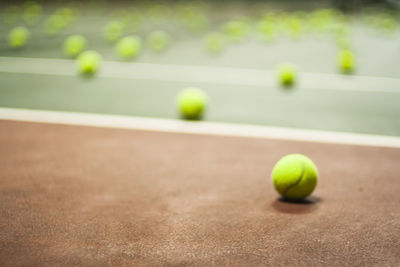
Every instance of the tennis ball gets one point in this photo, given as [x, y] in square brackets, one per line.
[32, 12]
[214, 42]
[114, 30]
[346, 61]
[287, 75]
[89, 62]
[54, 24]
[74, 45]
[128, 47]
[266, 30]
[191, 103]
[295, 176]
[236, 30]
[158, 40]
[18, 37]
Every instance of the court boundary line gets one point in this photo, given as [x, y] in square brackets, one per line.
[203, 74]
[197, 127]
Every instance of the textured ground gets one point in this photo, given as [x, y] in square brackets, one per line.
[97, 197]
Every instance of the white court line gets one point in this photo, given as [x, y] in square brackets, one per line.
[205, 128]
[203, 74]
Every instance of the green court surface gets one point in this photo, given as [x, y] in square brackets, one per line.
[365, 102]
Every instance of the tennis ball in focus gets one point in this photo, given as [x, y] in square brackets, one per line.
[74, 45]
[89, 62]
[346, 61]
[128, 47]
[158, 40]
[295, 177]
[18, 37]
[287, 75]
[191, 103]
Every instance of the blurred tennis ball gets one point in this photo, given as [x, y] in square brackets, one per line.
[346, 61]
[236, 30]
[192, 103]
[287, 75]
[55, 24]
[32, 12]
[89, 62]
[113, 31]
[192, 17]
[74, 45]
[266, 30]
[214, 42]
[158, 40]
[129, 47]
[294, 27]
[18, 37]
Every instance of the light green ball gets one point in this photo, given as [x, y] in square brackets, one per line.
[346, 61]
[295, 177]
[32, 12]
[214, 42]
[55, 24]
[128, 47]
[113, 31]
[74, 45]
[266, 30]
[18, 37]
[192, 103]
[89, 62]
[236, 30]
[158, 40]
[287, 75]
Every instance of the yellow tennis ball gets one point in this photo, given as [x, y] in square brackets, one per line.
[158, 40]
[18, 37]
[128, 47]
[191, 103]
[346, 61]
[89, 62]
[295, 176]
[74, 45]
[287, 75]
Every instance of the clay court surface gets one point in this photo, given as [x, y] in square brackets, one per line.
[90, 196]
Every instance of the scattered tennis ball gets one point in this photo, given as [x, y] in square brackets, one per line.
[295, 176]
[114, 30]
[158, 40]
[287, 75]
[32, 12]
[266, 30]
[89, 62]
[236, 30]
[346, 61]
[294, 27]
[128, 47]
[214, 42]
[74, 45]
[55, 24]
[192, 103]
[197, 23]
[18, 37]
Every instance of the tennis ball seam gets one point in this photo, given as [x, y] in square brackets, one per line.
[303, 171]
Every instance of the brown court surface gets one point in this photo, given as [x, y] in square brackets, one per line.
[90, 196]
